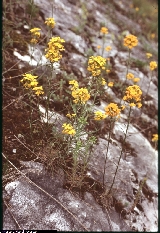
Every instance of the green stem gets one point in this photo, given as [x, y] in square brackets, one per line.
[146, 93]
[30, 120]
[97, 88]
[123, 143]
[103, 45]
[123, 84]
[49, 91]
[149, 85]
[138, 193]
[106, 153]
[128, 64]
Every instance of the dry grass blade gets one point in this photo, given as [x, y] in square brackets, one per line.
[26, 147]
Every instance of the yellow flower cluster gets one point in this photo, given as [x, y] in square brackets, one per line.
[130, 41]
[132, 105]
[148, 55]
[68, 129]
[136, 80]
[71, 115]
[30, 81]
[104, 30]
[103, 81]
[152, 35]
[130, 76]
[112, 110]
[133, 95]
[36, 34]
[81, 95]
[99, 116]
[108, 71]
[110, 84]
[74, 83]
[155, 138]
[34, 41]
[95, 64]
[38, 90]
[123, 107]
[153, 65]
[54, 48]
[108, 48]
[50, 22]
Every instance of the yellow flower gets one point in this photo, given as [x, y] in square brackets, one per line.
[136, 80]
[108, 48]
[81, 95]
[130, 76]
[104, 30]
[71, 115]
[98, 46]
[99, 116]
[130, 41]
[29, 77]
[50, 22]
[74, 83]
[110, 84]
[153, 65]
[103, 81]
[112, 110]
[136, 9]
[132, 105]
[95, 64]
[123, 107]
[38, 90]
[139, 105]
[29, 81]
[148, 55]
[35, 32]
[33, 83]
[34, 41]
[54, 48]
[68, 129]
[153, 35]
[132, 93]
[155, 138]
[108, 71]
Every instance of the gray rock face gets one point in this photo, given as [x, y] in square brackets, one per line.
[34, 209]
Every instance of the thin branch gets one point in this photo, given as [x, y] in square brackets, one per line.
[26, 146]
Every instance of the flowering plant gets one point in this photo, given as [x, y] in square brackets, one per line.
[133, 95]
[153, 65]
[50, 22]
[55, 46]
[95, 64]
[130, 41]
[104, 30]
